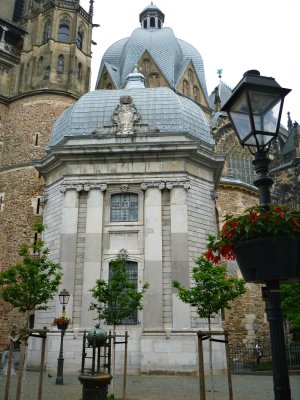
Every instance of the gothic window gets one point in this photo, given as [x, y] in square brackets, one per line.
[64, 30]
[40, 65]
[79, 38]
[239, 166]
[152, 22]
[18, 10]
[132, 270]
[191, 75]
[153, 80]
[186, 88]
[146, 64]
[196, 94]
[47, 30]
[124, 207]
[60, 64]
[79, 71]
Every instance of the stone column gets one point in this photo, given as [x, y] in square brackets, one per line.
[179, 251]
[68, 240]
[93, 249]
[153, 307]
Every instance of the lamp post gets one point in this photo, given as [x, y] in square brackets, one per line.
[254, 109]
[63, 296]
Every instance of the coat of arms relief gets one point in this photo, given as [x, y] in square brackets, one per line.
[125, 116]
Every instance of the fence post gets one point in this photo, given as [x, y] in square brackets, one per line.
[9, 363]
[228, 367]
[201, 367]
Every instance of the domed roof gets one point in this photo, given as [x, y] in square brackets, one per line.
[160, 108]
[170, 54]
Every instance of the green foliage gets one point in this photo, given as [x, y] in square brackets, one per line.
[290, 300]
[256, 222]
[118, 298]
[213, 289]
[30, 284]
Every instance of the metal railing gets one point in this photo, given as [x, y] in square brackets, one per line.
[256, 356]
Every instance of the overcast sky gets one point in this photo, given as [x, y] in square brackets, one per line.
[232, 35]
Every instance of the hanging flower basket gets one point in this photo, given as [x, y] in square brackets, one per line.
[61, 322]
[264, 240]
[267, 259]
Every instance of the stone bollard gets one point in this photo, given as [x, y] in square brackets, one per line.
[95, 387]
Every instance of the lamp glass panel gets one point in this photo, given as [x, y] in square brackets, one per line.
[265, 109]
[64, 297]
[239, 112]
[242, 124]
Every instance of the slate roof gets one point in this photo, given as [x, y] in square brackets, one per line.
[169, 53]
[159, 107]
[224, 92]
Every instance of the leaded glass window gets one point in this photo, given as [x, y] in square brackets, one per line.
[124, 207]
[132, 270]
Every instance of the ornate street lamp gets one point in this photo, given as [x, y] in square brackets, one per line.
[63, 296]
[255, 108]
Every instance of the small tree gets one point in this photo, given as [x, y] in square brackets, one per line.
[31, 283]
[28, 286]
[118, 297]
[213, 291]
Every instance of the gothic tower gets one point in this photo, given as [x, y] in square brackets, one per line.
[45, 57]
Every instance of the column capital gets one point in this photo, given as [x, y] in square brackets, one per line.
[166, 185]
[82, 187]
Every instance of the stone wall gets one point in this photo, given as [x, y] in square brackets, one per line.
[25, 125]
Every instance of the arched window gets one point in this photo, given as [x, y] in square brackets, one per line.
[145, 23]
[153, 80]
[79, 38]
[132, 271]
[152, 22]
[40, 65]
[124, 207]
[191, 75]
[47, 30]
[79, 71]
[186, 88]
[60, 64]
[64, 30]
[196, 94]
[109, 86]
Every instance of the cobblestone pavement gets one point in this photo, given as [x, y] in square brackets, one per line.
[149, 387]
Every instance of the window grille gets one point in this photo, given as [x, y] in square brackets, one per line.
[124, 207]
